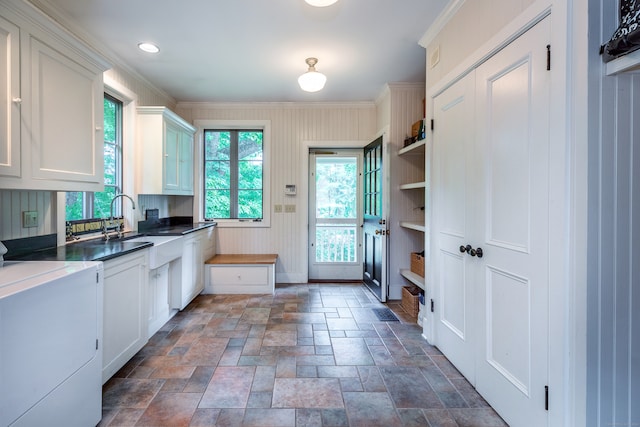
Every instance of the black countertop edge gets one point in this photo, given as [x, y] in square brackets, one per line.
[100, 250]
[176, 230]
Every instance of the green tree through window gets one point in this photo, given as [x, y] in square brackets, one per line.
[233, 165]
[86, 205]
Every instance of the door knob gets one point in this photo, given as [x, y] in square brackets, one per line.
[378, 232]
[463, 249]
[476, 252]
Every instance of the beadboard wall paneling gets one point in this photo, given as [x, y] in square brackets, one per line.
[291, 124]
[13, 203]
[613, 276]
[167, 205]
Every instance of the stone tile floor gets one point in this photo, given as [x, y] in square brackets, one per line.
[310, 355]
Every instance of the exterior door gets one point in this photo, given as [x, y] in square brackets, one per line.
[493, 231]
[374, 221]
[335, 212]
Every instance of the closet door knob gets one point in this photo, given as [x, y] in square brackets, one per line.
[463, 249]
[479, 252]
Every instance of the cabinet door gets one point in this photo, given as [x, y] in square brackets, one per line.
[9, 99]
[171, 158]
[125, 306]
[66, 113]
[158, 297]
[186, 163]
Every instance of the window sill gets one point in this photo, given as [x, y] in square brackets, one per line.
[241, 223]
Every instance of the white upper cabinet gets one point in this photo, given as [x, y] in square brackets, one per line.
[165, 152]
[51, 105]
[9, 98]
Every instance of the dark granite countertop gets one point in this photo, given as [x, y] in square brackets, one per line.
[100, 250]
[88, 250]
[176, 230]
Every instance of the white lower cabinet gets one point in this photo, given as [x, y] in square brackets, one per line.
[158, 297]
[125, 310]
[198, 247]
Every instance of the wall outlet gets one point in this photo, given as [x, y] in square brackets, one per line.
[277, 208]
[29, 219]
[289, 208]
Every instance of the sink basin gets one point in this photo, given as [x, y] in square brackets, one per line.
[165, 249]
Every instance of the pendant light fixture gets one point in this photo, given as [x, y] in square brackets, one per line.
[312, 81]
[321, 3]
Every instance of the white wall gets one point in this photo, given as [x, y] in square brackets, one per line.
[291, 125]
[613, 361]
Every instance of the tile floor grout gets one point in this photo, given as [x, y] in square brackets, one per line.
[310, 355]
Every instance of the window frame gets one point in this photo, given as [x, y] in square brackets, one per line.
[240, 125]
[88, 198]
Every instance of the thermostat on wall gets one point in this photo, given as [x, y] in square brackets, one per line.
[290, 189]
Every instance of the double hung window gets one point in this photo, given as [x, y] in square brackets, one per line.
[87, 205]
[234, 174]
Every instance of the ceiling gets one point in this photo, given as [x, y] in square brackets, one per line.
[254, 50]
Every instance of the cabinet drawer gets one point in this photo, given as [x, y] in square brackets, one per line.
[240, 275]
[240, 279]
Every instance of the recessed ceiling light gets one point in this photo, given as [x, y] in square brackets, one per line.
[321, 3]
[149, 47]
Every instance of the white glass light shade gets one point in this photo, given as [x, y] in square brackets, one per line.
[321, 3]
[312, 81]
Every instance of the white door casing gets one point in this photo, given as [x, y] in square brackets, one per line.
[492, 192]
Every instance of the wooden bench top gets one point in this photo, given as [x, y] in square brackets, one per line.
[243, 259]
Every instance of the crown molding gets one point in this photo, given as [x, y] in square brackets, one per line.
[440, 22]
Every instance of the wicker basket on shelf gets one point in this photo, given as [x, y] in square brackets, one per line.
[411, 300]
[417, 263]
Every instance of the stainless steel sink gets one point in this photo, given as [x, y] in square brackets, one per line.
[165, 249]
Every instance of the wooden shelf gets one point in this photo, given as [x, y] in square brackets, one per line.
[413, 278]
[626, 63]
[418, 226]
[415, 148]
[413, 185]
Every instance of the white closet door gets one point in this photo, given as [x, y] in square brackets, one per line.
[491, 227]
[452, 189]
[512, 210]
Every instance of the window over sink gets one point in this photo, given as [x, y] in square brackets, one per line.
[87, 205]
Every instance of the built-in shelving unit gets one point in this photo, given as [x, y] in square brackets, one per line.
[418, 226]
[413, 278]
[415, 223]
[413, 185]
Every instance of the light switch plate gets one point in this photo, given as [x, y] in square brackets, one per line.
[29, 219]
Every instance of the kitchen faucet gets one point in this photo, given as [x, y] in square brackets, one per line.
[105, 228]
[114, 199]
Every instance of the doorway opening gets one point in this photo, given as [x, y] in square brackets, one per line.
[335, 215]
